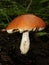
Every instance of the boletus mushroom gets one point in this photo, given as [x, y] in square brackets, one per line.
[25, 23]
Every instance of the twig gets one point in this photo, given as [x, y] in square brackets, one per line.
[28, 6]
[2, 30]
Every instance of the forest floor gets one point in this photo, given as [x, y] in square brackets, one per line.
[10, 53]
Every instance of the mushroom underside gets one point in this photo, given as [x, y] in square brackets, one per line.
[22, 30]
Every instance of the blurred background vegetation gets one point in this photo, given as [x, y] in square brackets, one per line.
[9, 9]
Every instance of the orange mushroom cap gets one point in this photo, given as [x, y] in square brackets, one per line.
[26, 22]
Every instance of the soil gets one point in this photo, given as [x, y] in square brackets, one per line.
[10, 52]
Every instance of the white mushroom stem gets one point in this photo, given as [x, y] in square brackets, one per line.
[25, 43]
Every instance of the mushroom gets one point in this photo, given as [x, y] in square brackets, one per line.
[24, 24]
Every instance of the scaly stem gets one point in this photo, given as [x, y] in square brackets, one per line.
[25, 43]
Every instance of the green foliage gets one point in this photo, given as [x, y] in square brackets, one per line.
[9, 9]
[41, 33]
[43, 1]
